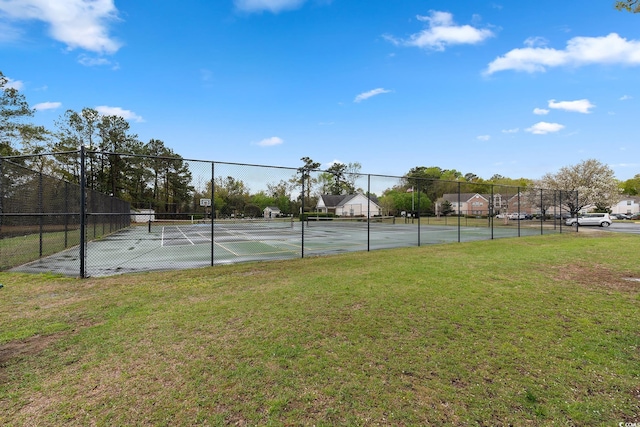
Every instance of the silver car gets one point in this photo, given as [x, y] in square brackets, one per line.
[601, 219]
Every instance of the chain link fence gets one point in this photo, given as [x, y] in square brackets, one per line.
[87, 213]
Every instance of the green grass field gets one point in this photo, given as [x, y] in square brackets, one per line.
[532, 331]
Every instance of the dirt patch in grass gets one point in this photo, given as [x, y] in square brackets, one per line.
[27, 347]
[594, 276]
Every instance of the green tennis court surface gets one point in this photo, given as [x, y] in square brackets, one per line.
[182, 245]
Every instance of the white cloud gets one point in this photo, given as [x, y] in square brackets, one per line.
[89, 61]
[540, 111]
[13, 84]
[47, 106]
[270, 142]
[515, 130]
[333, 162]
[117, 111]
[580, 106]
[542, 128]
[536, 41]
[273, 6]
[442, 32]
[367, 95]
[77, 23]
[9, 33]
[483, 137]
[625, 97]
[580, 51]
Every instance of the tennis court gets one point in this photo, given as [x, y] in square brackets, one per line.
[181, 244]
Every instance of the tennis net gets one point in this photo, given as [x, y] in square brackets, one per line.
[222, 224]
[354, 222]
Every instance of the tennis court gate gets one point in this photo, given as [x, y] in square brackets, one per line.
[60, 202]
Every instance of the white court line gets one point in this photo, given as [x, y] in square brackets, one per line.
[185, 236]
[226, 249]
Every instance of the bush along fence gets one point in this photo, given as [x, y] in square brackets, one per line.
[87, 213]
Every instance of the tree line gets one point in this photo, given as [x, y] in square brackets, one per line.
[152, 175]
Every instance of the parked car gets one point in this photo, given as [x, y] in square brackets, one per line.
[620, 216]
[601, 219]
[563, 216]
[517, 215]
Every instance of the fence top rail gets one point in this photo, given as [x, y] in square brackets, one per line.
[289, 168]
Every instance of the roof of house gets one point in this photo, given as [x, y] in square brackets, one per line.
[464, 197]
[625, 198]
[333, 201]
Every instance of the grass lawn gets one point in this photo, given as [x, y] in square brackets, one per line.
[530, 331]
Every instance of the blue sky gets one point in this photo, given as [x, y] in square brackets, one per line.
[513, 88]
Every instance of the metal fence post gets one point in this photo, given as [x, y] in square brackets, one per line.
[492, 209]
[577, 201]
[368, 213]
[519, 220]
[213, 193]
[459, 211]
[83, 213]
[1, 192]
[40, 211]
[559, 194]
[66, 214]
[541, 215]
[418, 211]
[301, 217]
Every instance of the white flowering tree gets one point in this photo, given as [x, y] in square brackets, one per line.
[589, 183]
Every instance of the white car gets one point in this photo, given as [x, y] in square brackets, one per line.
[601, 219]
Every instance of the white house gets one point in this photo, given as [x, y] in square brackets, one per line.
[143, 215]
[271, 212]
[349, 205]
[627, 205]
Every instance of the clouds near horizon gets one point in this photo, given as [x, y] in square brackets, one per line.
[117, 111]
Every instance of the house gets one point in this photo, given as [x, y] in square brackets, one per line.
[271, 212]
[520, 202]
[143, 215]
[349, 205]
[627, 205]
[477, 204]
[470, 203]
